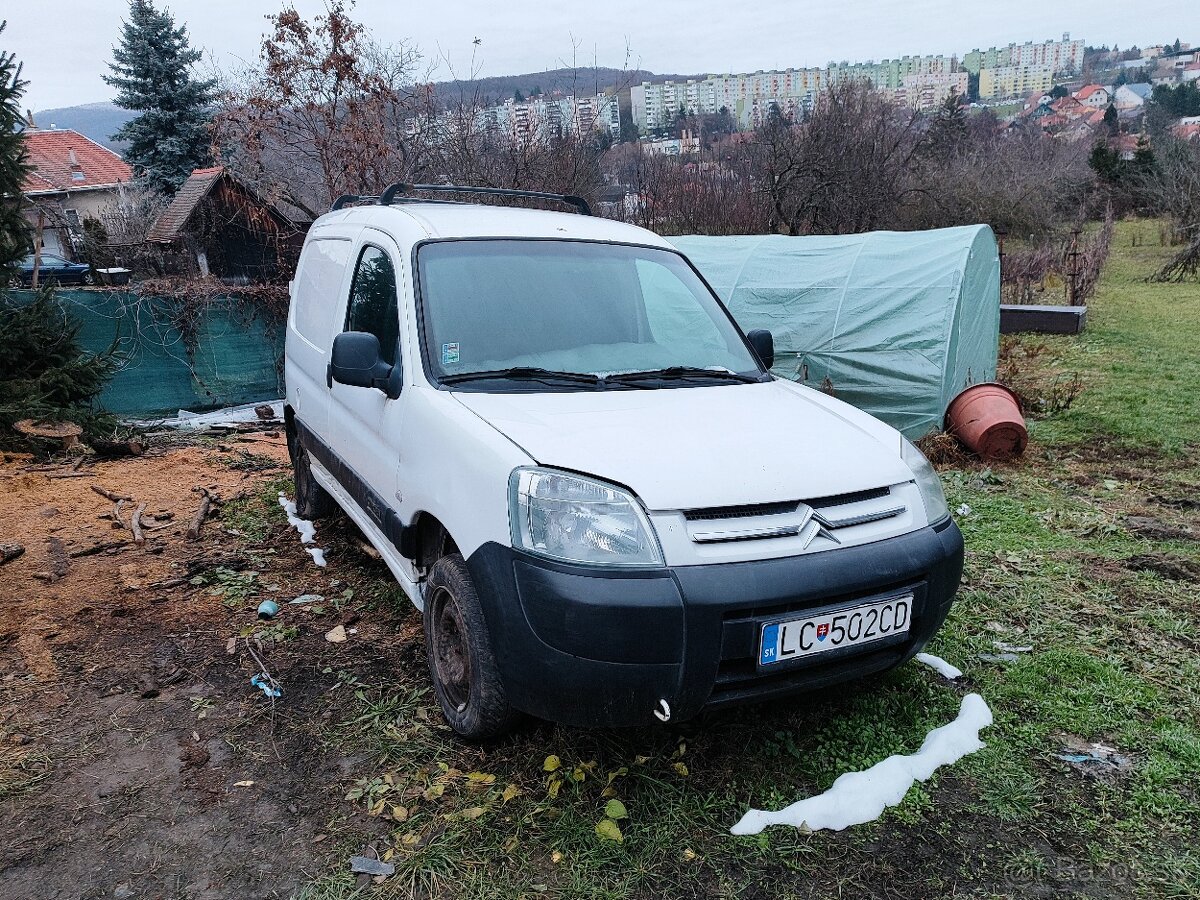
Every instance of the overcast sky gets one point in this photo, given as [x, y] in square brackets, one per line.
[66, 45]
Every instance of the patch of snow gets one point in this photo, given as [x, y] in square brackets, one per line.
[858, 797]
[1011, 648]
[942, 667]
[308, 531]
[228, 416]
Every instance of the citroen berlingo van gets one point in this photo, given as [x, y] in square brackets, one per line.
[584, 475]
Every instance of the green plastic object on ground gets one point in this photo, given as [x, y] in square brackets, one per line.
[235, 358]
[895, 323]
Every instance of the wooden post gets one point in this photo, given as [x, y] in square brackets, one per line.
[37, 246]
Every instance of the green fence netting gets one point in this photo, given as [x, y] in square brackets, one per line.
[235, 356]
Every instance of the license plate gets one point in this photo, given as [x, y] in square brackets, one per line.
[799, 638]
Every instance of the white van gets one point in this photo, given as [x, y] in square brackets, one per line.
[582, 472]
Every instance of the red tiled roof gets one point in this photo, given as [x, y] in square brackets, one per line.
[65, 160]
[167, 227]
[1088, 89]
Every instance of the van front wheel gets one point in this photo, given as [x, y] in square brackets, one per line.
[461, 662]
[312, 500]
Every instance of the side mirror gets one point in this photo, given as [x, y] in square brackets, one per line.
[763, 343]
[355, 361]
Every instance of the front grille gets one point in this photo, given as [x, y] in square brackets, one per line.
[741, 681]
[741, 512]
[843, 499]
[790, 518]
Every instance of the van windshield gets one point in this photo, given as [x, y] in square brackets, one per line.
[572, 315]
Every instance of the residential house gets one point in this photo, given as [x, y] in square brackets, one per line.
[1188, 128]
[217, 225]
[73, 179]
[1096, 96]
[1132, 96]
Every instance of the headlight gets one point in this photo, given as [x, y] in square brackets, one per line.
[576, 519]
[927, 481]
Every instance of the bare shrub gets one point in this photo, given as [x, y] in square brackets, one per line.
[1042, 389]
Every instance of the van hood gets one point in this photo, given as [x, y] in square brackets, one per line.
[721, 445]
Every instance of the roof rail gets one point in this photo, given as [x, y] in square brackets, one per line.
[347, 199]
[390, 195]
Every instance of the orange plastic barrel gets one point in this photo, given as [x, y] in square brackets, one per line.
[987, 418]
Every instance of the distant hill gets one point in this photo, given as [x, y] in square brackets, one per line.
[582, 81]
[98, 121]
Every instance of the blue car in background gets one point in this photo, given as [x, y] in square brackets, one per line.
[53, 269]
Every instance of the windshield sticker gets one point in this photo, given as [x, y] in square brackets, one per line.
[450, 353]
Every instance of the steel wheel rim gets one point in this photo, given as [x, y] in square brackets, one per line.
[451, 652]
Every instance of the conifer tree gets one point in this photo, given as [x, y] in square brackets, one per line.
[152, 72]
[14, 232]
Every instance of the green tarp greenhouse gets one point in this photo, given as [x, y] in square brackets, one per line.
[895, 323]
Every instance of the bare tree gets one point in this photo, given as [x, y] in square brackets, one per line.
[1172, 188]
[326, 111]
[845, 169]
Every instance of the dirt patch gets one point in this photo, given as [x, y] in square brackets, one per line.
[1176, 568]
[1154, 529]
[1107, 449]
[136, 756]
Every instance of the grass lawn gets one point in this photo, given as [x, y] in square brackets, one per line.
[1085, 551]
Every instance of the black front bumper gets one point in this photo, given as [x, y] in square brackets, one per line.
[600, 647]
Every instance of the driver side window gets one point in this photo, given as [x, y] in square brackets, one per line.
[373, 301]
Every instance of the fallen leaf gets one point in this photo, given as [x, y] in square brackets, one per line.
[510, 844]
[336, 634]
[551, 763]
[231, 645]
[615, 809]
[640, 760]
[688, 854]
[680, 769]
[609, 830]
[243, 784]
[511, 791]
[399, 813]
[553, 787]
[556, 857]
[481, 778]
[474, 812]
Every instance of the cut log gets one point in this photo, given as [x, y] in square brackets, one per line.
[111, 495]
[207, 498]
[135, 525]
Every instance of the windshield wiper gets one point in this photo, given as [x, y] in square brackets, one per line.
[525, 373]
[680, 373]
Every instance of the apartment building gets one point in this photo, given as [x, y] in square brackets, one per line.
[929, 91]
[1065, 56]
[549, 116]
[1005, 82]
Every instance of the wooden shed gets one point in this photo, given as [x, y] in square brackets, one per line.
[217, 225]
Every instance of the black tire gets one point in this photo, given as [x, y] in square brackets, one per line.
[459, 649]
[88, 278]
[312, 500]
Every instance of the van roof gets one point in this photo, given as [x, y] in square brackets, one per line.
[472, 220]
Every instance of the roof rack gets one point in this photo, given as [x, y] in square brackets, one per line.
[347, 199]
[390, 195]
